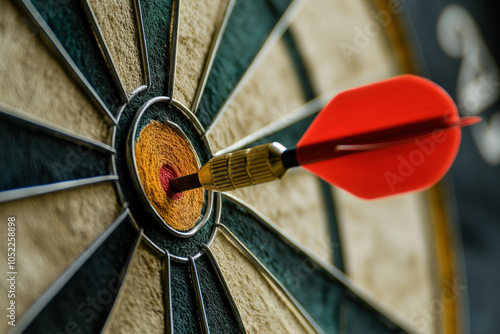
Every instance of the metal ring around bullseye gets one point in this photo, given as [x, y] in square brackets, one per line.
[131, 162]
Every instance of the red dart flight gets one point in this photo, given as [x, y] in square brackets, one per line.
[413, 128]
[382, 139]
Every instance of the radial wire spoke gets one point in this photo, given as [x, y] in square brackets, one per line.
[240, 43]
[307, 323]
[307, 110]
[33, 79]
[15, 194]
[318, 286]
[225, 287]
[56, 229]
[140, 306]
[37, 124]
[275, 35]
[167, 296]
[70, 25]
[116, 233]
[299, 120]
[173, 38]
[156, 16]
[123, 274]
[142, 43]
[185, 316]
[212, 52]
[199, 297]
[338, 256]
[104, 48]
[54, 43]
[38, 159]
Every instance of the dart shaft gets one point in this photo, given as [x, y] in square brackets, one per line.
[236, 170]
[379, 139]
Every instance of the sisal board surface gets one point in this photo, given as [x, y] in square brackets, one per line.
[388, 250]
[250, 24]
[33, 158]
[198, 23]
[32, 80]
[139, 307]
[323, 26]
[316, 292]
[70, 25]
[52, 231]
[117, 22]
[301, 216]
[261, 100]
[263, 307]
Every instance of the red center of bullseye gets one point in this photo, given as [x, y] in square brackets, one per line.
[167, 173]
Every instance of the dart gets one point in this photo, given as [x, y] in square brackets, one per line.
[386, 138]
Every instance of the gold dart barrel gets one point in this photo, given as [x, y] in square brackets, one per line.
[243, 168]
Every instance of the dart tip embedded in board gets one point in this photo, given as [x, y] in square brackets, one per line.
[184, 183]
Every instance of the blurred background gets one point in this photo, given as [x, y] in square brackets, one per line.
[458, 47]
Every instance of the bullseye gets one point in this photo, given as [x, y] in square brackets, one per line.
[167, 173]
[163, 143]
[162, 153]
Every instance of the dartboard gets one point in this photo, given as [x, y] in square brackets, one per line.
[102, 102]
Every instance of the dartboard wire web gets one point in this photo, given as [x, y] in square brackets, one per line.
[332, 273]
[57, 48]
[105, 50]
[68, 274]
[133, 254]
